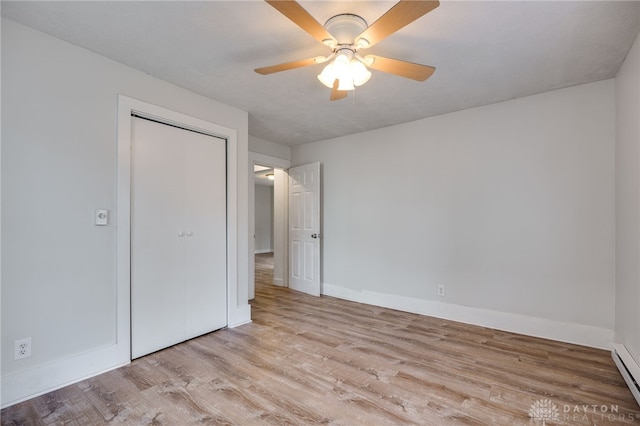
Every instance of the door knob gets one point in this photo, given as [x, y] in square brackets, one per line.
[180, 234]
[315, 235]
[189, 234]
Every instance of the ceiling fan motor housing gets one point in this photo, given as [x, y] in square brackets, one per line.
[345, 28]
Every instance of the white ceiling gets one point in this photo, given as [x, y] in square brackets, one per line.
[484, 52]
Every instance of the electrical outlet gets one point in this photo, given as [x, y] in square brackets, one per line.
[440, 290]
[23, 348]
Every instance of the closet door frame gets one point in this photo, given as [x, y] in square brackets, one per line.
[236, 309]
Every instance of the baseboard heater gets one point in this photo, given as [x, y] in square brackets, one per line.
[629, 369]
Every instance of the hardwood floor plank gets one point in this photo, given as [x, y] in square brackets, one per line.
[306, 360]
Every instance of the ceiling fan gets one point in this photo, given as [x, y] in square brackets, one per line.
[346, 34]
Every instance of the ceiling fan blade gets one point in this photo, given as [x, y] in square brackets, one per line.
[403, 13]
[337, 94]
[402, 68]
[292, 10]
[287, 66]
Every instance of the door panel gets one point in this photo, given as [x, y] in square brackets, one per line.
[178, 235]
[304, 228]
[309, 218]
[206, 248]
[309, 261]
[295, 260]
[296, 212]
[157, 284]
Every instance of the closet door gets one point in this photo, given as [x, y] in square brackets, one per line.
[206, 248]
[178, 235]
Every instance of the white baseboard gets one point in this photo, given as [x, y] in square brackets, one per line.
[586, 335]
[629, 368]
[29, 383]
[239, 324]
[239, 315]
[263, 251]
[32, 382]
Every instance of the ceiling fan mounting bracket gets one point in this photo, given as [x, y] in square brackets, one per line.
[345, 28]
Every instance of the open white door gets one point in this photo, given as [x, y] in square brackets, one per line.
[304, 228]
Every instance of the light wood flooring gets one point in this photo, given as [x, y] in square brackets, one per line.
[306, 360]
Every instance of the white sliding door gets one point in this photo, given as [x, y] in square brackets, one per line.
[178, 235]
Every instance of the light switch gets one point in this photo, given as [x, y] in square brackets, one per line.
[102, 217]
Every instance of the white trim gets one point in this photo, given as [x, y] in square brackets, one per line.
[26, 384]
[122, 224]
[267, 160]
[281, 227]
[41, 379]
[629, 361]
[263, 251]
[237, 313]
[580, 334]
[629, 368]
[282, 218]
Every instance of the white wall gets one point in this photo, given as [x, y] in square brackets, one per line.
[628, 203]
[265, 147]
[58, 165]
[264, 219]
[510, 206]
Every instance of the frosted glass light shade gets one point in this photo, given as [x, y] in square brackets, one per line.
[359, 72]
[327, 76]
[349, 72]
[345, 84]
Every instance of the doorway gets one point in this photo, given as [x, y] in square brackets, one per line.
[238, 310]
[264, 268]
[178, 235]
[278, 224]
[264, 179]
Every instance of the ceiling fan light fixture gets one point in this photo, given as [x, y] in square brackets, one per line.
[342, 70]
[349, 71]
[327, 76]
[359, 72]
[345, 34]
[345, 84]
